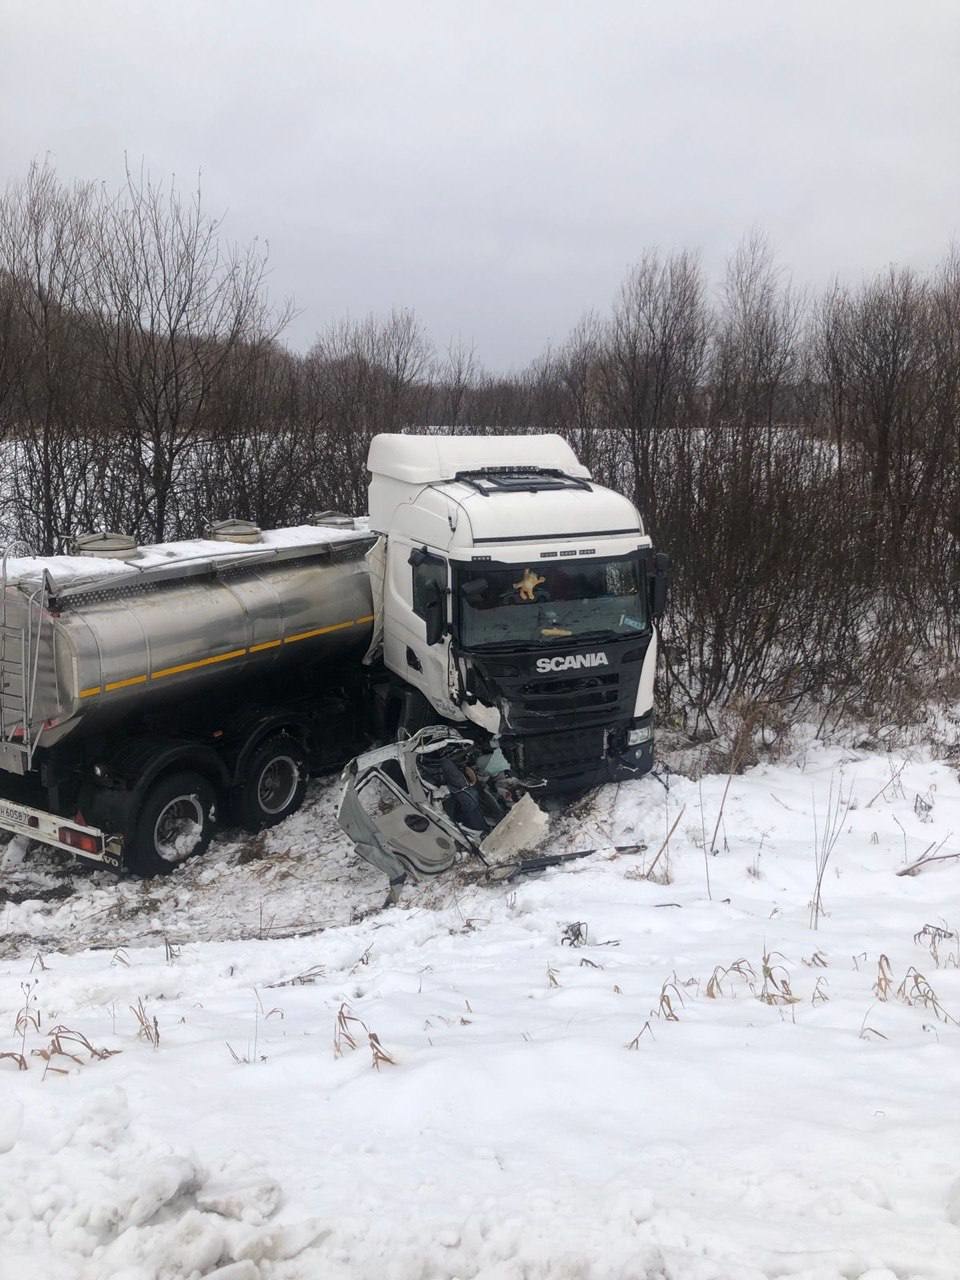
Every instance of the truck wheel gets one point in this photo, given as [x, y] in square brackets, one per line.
[274, 783]
[175, 823]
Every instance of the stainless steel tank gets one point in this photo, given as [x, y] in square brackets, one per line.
[75, 657]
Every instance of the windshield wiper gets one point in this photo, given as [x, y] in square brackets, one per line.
[502, 646]
[606, 633]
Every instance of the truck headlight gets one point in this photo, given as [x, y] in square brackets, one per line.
[640, 731]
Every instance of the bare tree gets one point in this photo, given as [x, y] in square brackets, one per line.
[453, 378]
[653, 361]
[44, 246]
[759, 341]
[171, 303]
[363, 377]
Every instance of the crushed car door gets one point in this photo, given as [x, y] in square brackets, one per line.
[380, 817]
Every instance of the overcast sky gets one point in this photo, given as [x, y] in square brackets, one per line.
[497, 165]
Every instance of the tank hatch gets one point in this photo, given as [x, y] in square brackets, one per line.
[105, 545]
[334, 519]
[233, 531]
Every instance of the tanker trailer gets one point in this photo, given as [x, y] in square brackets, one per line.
[145, 693]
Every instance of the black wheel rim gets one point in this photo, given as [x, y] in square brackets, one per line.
[277, 784]
[178, 828]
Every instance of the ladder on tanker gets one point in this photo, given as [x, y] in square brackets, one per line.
[20, 639]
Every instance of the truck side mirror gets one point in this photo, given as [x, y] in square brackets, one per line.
[433, 613]
[658, 584]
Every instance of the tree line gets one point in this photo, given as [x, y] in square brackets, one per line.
[797, 454]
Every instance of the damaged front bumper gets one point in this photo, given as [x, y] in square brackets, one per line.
[576, 759]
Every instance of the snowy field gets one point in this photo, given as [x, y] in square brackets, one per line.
[591, 1074]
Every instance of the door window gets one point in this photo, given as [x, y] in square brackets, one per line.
[428, 575]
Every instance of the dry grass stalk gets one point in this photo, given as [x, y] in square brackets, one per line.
[817, 961]
[61, 1036]
[825, 842]
[915, 989]
[665, 1007]
[742, 967]
[635, 1042]
[305, 979]
[884, 982]
[923, 806]
[930, 855]
[714, 987]
[574, 934]
[893, 779]
[776, 982]
[866, 1032]
[380, 1054]
[253, 1053]
[703, 836]
[723, 801]
[552, 978]
[648, 874]
[819, 995]
[933, 936]
[903, 833]
[147, 1028]
[28, 1018]
[343, 1036]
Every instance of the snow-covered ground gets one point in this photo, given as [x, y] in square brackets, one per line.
[592, 1075]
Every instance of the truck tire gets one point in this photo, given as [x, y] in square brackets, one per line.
[175, 822]
[273, 784]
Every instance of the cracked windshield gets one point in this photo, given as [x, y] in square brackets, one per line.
[549, 600]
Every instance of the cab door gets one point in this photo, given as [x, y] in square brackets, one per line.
[393, 820]
[415, 575]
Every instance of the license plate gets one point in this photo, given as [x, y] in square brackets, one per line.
[10, 813]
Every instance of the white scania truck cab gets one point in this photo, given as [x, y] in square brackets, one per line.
[512, 592]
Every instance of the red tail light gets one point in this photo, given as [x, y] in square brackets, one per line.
[79, 840]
